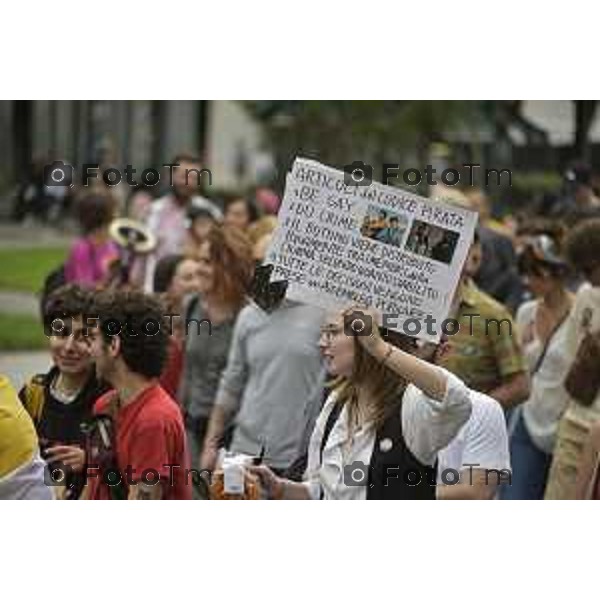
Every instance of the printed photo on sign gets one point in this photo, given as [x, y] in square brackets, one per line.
[337, 244]
[432, 241]
[384, 226]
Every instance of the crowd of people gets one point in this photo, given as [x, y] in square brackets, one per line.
[156, 380]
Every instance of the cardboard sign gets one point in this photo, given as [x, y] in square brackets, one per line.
[338, 243]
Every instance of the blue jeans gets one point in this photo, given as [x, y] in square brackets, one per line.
[530, 466]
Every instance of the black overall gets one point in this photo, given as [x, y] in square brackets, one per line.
[394, 472]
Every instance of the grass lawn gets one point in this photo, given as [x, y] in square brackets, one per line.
[25, 269]
[21, 332]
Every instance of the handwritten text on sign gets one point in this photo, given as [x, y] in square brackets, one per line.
[372, 245]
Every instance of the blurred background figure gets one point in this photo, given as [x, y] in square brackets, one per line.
[542, 324]
[200, 222]
[260, 234]
[588, 477]
[58, 199]
[267, 200]
[30, 198]
[581, 348]
[497, 275]
[139, 203]
[176, 278]
[107, 159]
[480, 202]
[241, 212]
[168, 217]
[93, 256]
[579, 197]
[485, 352]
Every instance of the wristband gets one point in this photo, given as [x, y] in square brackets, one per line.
[387, 355]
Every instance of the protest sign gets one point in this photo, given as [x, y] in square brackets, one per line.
[338, 243]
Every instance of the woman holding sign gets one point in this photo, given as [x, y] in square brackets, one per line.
[382, 426]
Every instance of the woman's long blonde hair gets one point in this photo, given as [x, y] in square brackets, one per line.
[386, 388]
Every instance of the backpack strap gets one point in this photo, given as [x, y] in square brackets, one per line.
[101, 448]
[191, 307]
[332, 418]
[542, 356]
[32, 396]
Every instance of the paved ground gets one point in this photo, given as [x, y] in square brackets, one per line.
[31, 234]
[20, 303]
[19, 366]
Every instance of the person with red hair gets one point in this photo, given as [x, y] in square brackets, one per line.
[225, 271]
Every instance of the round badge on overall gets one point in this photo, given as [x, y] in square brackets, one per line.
[386, 444]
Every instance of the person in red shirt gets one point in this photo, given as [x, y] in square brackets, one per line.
[143, 454]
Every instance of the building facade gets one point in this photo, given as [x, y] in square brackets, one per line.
[141, 133]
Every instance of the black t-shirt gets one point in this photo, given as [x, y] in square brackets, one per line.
[61, 422]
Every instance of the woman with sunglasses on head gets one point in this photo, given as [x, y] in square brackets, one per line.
[542, 323]
[380, 430]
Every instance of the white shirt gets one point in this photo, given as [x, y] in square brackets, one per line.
[483, 441]
[427, 424]
[548, 398]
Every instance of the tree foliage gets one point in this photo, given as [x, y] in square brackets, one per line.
[340, 131]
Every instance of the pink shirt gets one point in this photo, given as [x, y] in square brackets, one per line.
[89, 264]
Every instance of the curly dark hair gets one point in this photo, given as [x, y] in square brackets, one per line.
[66, 302]
[139, 321]
[582, 246]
